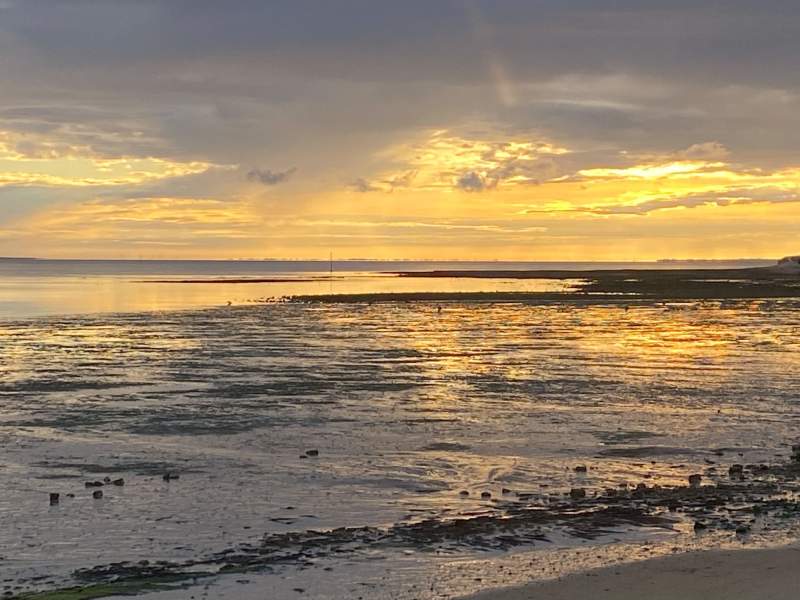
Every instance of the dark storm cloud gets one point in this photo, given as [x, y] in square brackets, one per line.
[207, 80]
[742, 40]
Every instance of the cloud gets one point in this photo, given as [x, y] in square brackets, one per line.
[421, 101]
[181, 221]
[726, 198]
[401, 180]
[472, 182]
[477, 161]
[363, 186]
[270, 178]
[705, 151]
[445, 225]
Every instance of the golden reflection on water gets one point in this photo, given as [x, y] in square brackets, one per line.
[407, 403]
[691, 345]
[21, 297]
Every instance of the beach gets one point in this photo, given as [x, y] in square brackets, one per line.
[400, 446]
[471, 300]
[712, 575]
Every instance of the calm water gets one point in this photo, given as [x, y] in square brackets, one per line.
[50, 287]
[406, 406]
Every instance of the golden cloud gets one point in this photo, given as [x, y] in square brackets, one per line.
[54, 164]
[447, 162]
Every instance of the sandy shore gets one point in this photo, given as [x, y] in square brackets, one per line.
[772, 574]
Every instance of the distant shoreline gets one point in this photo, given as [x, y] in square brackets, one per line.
[623, 285]
[677, 272]
[236, 280]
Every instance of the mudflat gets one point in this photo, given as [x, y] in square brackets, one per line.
[765, 282]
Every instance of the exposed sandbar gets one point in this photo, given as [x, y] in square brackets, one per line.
[654, 284]
[230, 280]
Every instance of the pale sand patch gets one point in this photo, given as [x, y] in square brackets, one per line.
[772, 574]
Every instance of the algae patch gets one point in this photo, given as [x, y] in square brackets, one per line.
[131, 587]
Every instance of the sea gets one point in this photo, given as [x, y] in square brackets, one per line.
[314, 428]
[30, 287]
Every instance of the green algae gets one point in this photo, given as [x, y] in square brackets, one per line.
[129, 587]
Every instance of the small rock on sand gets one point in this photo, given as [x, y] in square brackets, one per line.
[577, 493]
[581, 469]
[312, 452]
[97, 494]
[54, 498]
[694, 480]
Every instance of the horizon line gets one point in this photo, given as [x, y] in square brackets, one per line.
[363, 259]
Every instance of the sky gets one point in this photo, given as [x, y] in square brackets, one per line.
[422, 129]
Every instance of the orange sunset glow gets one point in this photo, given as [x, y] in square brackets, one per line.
[471, 131]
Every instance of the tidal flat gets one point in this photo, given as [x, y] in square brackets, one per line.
[392, 449]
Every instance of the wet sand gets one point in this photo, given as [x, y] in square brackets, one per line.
[716, 575]
[446, 442]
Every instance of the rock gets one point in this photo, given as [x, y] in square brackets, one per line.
[463, 493]
[505, 491]
[119, 482]
[581, 469]
[312, 452]
[486, 495]
[736, 470]
[54, 498]
[170, 476]
[70, 495]
[106, 479]
[577, 493]
[694, 480]
[97, 494]
[91, 484]
[742, 529]
[641, 488]
[699, 526]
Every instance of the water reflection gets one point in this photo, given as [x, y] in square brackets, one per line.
[407, 405]
[57, 295]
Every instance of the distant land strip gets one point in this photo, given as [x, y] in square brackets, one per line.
[624, 285]
[237, 280]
